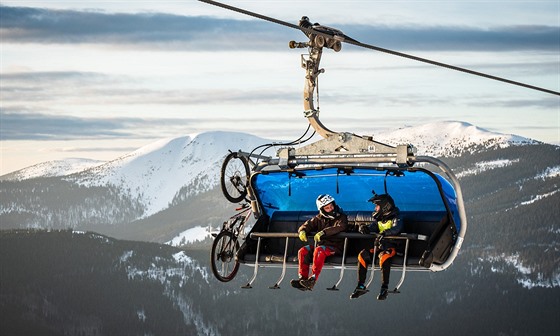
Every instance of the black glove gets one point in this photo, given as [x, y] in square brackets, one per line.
[363, 229]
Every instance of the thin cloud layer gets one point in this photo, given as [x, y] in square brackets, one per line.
[36, 126]
[95, 88]
[41, 126]
[35, 25]
[167, 31]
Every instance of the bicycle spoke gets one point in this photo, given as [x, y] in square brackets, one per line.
[237, 177]
[224, 248]
[234, 177]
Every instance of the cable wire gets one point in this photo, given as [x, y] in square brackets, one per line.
[297, 141]
[388, 51]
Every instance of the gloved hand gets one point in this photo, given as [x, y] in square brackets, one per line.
[318, 236]
[303, 236]
[363, 229]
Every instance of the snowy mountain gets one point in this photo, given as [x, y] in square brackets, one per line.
[155, 174]
[450, 138]
[160, 177]
[439, 139]
[53, 168]
[171, 170]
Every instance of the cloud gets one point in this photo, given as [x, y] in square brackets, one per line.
[176, 32]
[460, 38]
[99, 89]
[35, 126]
[35, 25]
[23, 125]
[95, 149]
[50, 76]
[546, 103]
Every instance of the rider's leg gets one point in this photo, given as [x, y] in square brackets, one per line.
[319, 255]
[304, 261]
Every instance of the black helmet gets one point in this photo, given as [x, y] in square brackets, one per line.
[386, 205]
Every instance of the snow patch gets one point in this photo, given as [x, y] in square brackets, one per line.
[550, 172]
[141, 315]
[536, 198]
[185, 268]
[126, 255]
[527, 276]
[485, 166]
[184, 259]
[195, 234]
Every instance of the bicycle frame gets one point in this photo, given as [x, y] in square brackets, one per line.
[226, 245]
[241, 217]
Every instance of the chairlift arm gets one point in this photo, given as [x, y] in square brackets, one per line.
[460, 206]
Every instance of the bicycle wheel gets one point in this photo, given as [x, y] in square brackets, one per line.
[224, 249]
[234, 177]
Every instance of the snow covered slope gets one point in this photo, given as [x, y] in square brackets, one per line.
[449, 138]
[53, 168]
[157, 174]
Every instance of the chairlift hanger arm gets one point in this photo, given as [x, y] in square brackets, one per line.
[346, 39]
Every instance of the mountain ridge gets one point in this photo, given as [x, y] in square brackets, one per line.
[451, 138]
[156, 173]
[434, 139]
[175, 181]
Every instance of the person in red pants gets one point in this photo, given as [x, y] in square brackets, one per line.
[328, 222]
[387, 222]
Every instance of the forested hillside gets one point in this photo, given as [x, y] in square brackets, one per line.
[76, 283]
[64, 282]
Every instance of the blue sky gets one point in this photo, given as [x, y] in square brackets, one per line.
[98, 79]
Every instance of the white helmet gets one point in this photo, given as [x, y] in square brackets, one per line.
[323, 200]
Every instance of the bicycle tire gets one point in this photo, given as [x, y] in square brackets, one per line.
[234, 177]
[224, 250]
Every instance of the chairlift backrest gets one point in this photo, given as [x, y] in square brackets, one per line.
[414, 190]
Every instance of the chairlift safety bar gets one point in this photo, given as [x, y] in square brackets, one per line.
[260, 235]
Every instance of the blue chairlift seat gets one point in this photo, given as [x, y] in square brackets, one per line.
[427, 202]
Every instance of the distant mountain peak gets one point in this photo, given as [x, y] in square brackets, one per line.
[450, 138]
[53, 168]
[160, 172]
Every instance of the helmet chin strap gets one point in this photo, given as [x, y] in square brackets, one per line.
[332, 214]
[327, 215]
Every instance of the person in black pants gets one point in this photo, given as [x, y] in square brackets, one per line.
[387, 222]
